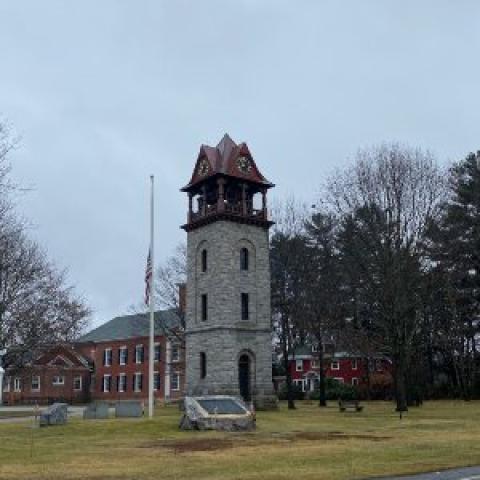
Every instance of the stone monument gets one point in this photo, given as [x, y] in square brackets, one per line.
[228, 334]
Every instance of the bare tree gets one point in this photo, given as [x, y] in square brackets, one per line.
[387, 200]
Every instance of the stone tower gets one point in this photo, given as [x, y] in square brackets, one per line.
[228, 334]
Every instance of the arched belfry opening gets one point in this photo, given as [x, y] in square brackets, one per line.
[228, 282]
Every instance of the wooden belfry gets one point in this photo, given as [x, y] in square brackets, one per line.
[224, 183]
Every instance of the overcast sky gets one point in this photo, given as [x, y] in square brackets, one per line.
[104, 93]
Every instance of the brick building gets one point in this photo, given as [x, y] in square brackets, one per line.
[118, 351]
[58, 374]
[344, 367]
[108, 363]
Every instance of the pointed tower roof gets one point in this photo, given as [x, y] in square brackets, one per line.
[226, 159]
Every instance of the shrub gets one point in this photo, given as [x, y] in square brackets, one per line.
[336, 390]
[297, 392]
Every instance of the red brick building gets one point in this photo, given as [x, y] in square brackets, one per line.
[118, 352]
[58, 374]
[342, 366]
[109, 363]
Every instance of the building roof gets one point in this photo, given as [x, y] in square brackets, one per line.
[131, 326]
[222, 161]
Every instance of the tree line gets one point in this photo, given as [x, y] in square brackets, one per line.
[386, 262]
[37, 306]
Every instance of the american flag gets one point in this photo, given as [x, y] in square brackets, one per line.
[148, 277]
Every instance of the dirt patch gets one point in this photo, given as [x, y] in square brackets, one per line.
[191, 445]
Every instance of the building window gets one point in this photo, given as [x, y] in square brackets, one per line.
[245, 312]
[137, 382]
[139, 354]
[175, 353]
[335, 365]
[299, 384]
[107, 357]
[122, 383]
[339, 379]
[156, 381]
[157, 352]
[107, 383]
[203, 365]
[299, 365]
[58, 380]
[77, 383]
[123, 355]
[244, 259]
[355, 381]
[204, 307]
[17, 384]
[35, 387]
[354, 364]
[175, 382]
[6, 384]
[316, 363]
[204, 261]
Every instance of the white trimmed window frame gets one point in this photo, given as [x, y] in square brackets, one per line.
[354, 364]
[6, 384]
[175, 382]
[157, 347]
[300, 383]
[355, 381]
[339, 379]
[316, 363]
[107, 383]
[122, 383]
[136, 387]
[335, 365]
[138, 357]
[17, 384]
[35, 388]
[58, 380]
[175, 353]
[123, 355]
[107, 357]
[299, 365]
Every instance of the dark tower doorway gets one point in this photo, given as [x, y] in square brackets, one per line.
[244, 377]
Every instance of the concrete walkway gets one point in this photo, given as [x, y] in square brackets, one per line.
[468, 473]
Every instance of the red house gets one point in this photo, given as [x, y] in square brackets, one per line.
[342, 366]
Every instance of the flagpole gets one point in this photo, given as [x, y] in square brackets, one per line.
[152, 311]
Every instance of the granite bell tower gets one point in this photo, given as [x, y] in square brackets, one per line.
[228, 334]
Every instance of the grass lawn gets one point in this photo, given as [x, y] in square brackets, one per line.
[308, 443]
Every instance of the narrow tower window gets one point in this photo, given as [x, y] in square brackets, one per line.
[244, 306]
[204, 260]
[204, 307]
[203, 365]
[244, 259]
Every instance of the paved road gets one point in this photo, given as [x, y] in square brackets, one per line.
[469, 473]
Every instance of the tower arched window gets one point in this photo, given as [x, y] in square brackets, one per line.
[204, 260]
[203, 364]
[244, 259]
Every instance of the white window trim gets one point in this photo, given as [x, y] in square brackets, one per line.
[175, 358]
[335, 362]
[37, 389]
[124, 348]
[157, 344]
[316, 364]
[354, 364]
[177, 376]
[104, 390]
[299, 363]
[137, 375]
[300, 382]
[339, 379]
[6, 384]
[81, 383]
[137, 349]
[355, 381]
[61, 383]
[122, 387]
[107, 358]
[17, 384]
